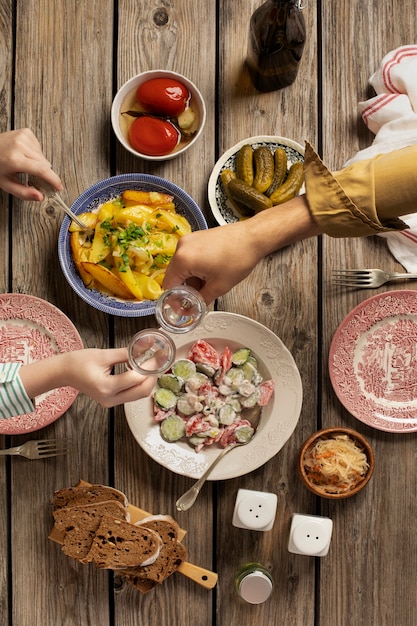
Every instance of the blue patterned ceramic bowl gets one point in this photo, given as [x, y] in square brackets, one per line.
[95, 196]
[219, 204]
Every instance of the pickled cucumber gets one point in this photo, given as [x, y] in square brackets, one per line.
[264, 168]
[226, 176]
[280, 171]
[244, 164]
[247, 195]
[292, 185]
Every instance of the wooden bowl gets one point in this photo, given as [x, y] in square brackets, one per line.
[330, 433]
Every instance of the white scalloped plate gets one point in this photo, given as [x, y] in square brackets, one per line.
[279, 417]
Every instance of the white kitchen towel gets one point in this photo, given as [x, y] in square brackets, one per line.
[392, 116]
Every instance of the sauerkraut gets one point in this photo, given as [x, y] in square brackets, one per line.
[336, 465]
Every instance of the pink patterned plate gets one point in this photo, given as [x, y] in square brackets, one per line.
[32, 329]
[373, 361]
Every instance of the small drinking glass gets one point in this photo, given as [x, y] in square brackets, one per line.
[178, 310]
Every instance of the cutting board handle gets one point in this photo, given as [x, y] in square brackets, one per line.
[203, 577]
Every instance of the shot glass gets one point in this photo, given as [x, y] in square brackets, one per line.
[178, 310]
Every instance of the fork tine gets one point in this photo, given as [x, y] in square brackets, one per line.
[351, 273]
[354, 281]
[53, 447]
[48, 443]
[52, 453]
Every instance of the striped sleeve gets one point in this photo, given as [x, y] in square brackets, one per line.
[13, 397]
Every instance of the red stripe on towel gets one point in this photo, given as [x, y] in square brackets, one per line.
[377, 106]
[409, 235]
[401, 54]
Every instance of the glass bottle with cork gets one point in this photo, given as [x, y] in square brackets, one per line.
[277, 35]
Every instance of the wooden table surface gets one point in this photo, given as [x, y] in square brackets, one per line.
[62, 62]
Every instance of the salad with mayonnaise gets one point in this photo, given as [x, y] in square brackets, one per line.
[202, 397]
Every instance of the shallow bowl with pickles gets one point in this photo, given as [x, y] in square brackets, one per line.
[106, 289]
[227, 209]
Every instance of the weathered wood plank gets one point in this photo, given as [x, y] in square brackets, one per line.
[63, 92]
[6, 60]
[284, 282]
[152, 35]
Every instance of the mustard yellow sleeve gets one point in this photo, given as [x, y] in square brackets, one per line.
[364, 198]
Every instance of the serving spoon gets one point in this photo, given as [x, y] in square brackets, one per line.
[53, 196]
[186, 501]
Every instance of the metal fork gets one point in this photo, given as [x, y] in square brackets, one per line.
[40, 449]
[53, 196]
[366, 279]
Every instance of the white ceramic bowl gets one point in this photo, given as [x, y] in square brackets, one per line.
[95, 196]
[219, 204]
[128, 90]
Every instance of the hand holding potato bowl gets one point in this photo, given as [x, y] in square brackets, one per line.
[135, 236]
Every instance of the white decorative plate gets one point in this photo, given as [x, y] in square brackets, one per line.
[32, 329]
[219, 204]
[279, 417]
[373, 361]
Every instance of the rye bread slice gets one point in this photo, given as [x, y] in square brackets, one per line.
[179, 554]
[87, 494]
[80, 523]
[144, 585]
[167, 528]
[118, 544]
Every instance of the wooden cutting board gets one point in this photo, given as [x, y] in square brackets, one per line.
[203, 577]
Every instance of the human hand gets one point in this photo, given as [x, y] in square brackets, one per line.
[215, 260]
[90, 371]
[21, 153]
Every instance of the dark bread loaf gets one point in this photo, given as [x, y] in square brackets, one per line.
[74, 496]
[118, 544]
[80, 523]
